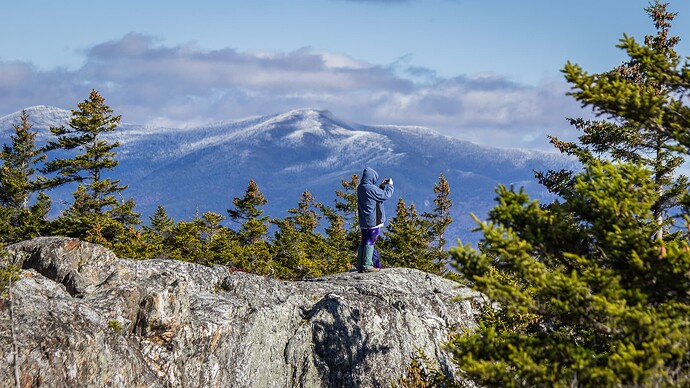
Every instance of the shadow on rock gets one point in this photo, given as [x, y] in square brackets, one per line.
[343, 350]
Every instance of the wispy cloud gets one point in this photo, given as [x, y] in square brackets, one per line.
[150, 83]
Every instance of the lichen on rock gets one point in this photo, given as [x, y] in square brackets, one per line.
[185, 324]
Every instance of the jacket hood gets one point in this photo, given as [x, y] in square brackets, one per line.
[369, 175]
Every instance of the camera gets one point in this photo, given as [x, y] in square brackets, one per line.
[387, 181]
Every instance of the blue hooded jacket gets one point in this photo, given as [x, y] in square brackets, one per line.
[370, 199]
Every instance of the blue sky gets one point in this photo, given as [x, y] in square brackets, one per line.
[485, 71]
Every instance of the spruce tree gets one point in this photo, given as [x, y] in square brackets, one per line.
[579, 293]
[407, 241]
[18, 180]
[253, 252]
[89, 123]
[203, 240]
[185, 241]
[247, 213]
[346, 206]
[157, 234]
[628, 134]
[339, 255]
[95, 211]
[297, 247]
[19, 183]
[439, 219]
[161, 223]
[587, 291]
[217, 242]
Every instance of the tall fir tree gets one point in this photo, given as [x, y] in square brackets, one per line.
[642, 102]
[19, 182]
[161, 223]
[580, 293]
[95, 211]
[89, 123]
[249, 215]
[204, 240]
[339, 255]
[253, 252]
[439, 219]
[157, 233]
[407, 241]
[297, 247]
[346, 207]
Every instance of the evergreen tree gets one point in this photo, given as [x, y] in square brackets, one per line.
[158, 233]
[185, 241]
[217, 242]
[439, 220]
[407, 241]
[161, 222]
[580, 293]
[203, 240]
[298, 248]
[96, 211]
[18, 179]
[642, 100]
[85, 131]
[247, 213]
[346, 207]
[19, 219]
[339, 255]
[253, 253]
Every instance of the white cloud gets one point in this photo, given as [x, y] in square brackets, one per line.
[152, 84]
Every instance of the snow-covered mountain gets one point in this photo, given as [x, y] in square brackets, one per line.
[194, 170]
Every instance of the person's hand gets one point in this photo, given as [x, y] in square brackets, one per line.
[389, 181]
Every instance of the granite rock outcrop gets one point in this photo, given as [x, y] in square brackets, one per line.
[84, 317]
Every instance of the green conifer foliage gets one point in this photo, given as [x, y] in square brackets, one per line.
[161, 222]
[590, 290]
[96, 213]
[156, 235]
[346, 206]
[19, 219]
[642, 104]
[203, 240]
[649, 91]
[216, 240]
[439, 220]
[415, 241]
[253, 252]
[185, 241]
[407, 241]
[339, 255]
[582, 295]
[298, 250]
[18, 179]
[247, 213]
[85, 131]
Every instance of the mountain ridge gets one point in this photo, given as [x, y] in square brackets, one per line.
[197, 169]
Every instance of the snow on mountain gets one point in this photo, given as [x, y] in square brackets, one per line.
[199, 169]
[41, 117]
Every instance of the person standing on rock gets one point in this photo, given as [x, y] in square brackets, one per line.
[372, 215]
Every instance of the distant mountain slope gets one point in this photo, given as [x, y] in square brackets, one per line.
[194, 170]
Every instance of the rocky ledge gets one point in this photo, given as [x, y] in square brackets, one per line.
[83, 317]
